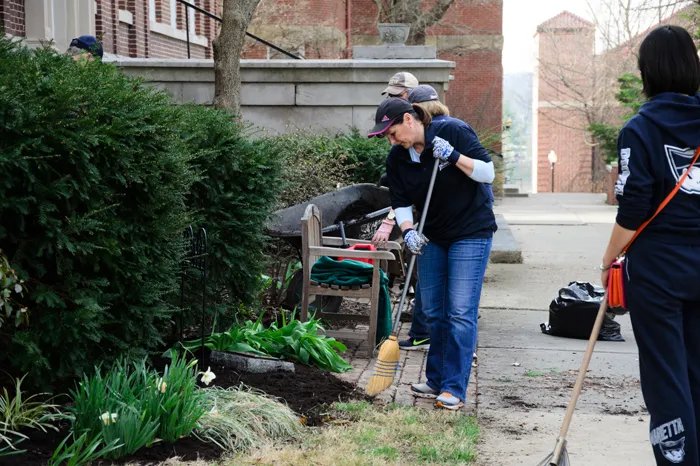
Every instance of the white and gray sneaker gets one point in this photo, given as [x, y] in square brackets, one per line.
[423, 390]
[447, 401]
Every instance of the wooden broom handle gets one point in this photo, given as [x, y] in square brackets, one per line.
[584, 367]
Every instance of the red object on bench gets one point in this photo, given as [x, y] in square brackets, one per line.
[360, 247]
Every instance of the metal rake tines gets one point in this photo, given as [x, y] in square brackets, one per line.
[563, 460]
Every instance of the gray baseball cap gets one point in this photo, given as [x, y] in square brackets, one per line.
[402, 81]
[422, 93]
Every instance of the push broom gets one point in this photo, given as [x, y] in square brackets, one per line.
[560, 457]
[389, 353]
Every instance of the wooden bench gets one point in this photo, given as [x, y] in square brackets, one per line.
[315, 245]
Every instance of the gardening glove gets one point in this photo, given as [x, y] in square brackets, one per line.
[444, 151]
[414, 241]
[382, 234]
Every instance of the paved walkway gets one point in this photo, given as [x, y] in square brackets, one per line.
[523, 381]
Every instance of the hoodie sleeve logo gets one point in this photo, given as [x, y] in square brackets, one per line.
[624, 171]
[679, 162]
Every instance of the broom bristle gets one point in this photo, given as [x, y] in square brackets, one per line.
[386, 366]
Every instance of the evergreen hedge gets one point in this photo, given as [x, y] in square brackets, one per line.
[92, 206]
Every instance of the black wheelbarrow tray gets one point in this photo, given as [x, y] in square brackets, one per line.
[354, 205]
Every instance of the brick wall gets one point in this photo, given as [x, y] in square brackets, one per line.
[469, 34]
[12, 17]
[135, 39]
[564, 82]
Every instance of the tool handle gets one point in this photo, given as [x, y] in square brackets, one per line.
[581, 375]
[412, 261]
[342, 235]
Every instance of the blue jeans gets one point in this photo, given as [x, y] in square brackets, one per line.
[450, 285]
[419, 327]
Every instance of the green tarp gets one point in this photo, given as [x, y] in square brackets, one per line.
[354, 273]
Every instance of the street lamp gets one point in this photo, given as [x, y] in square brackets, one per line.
[552, 157]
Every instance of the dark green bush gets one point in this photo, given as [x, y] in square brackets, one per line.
[92, 206]
[314, 164]
[366, 157]
[237, 187]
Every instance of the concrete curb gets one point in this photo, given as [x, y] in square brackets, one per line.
[505, 250]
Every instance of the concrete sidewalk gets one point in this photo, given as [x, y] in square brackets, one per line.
[524, 378]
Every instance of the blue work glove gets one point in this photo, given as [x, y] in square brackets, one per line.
[414, 241]
[444, 151]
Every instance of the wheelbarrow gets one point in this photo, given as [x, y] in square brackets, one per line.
[359, 207]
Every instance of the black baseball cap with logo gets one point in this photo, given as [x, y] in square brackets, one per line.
[388, 113]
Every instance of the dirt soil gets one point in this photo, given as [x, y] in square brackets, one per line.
[41, 445]
[308, 391]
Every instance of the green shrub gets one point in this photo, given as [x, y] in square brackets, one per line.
[314, 164]
[237, 187]
[10, 287]
[94, 176]
[366, 157]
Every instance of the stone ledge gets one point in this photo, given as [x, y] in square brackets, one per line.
[505, 249]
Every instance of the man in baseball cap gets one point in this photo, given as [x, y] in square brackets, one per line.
[86, 46]
[400, 84]
[389, 112]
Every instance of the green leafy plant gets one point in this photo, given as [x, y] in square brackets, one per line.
[81, 450]
[241, 418]
[11, 286]
[293, 340]
[18, 412]
[9, 440]
[174, 401]
[631, 98]
[132, 403]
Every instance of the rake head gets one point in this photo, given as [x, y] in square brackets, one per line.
[562, 461]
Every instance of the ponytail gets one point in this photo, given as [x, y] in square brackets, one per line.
[421, 115]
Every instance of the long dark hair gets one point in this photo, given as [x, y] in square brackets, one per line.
[668, 62]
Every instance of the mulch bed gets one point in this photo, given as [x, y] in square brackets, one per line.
[41, 445]
[308, 391]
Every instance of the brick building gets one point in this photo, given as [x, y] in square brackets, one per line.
[573, 88]
[128, 28]
[565, 47]
[470, 34]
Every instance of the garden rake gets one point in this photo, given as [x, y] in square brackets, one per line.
[560, 457]
[389, 353]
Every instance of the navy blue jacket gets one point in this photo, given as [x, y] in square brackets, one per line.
[460, 207]
[655, 148]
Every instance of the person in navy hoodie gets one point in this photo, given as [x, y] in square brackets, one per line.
[460, 226]
[662, 266]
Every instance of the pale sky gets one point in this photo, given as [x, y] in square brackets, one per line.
[520, 20]
[521, 17]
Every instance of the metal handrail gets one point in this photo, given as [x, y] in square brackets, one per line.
[216, 18]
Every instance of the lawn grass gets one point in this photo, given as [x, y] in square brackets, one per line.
[364, 434]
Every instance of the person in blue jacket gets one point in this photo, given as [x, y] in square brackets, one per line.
[662, 266]
[460, 226]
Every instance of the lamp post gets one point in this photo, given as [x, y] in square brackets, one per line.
[552, 157]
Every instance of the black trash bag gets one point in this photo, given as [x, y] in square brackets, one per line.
[572, 314]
